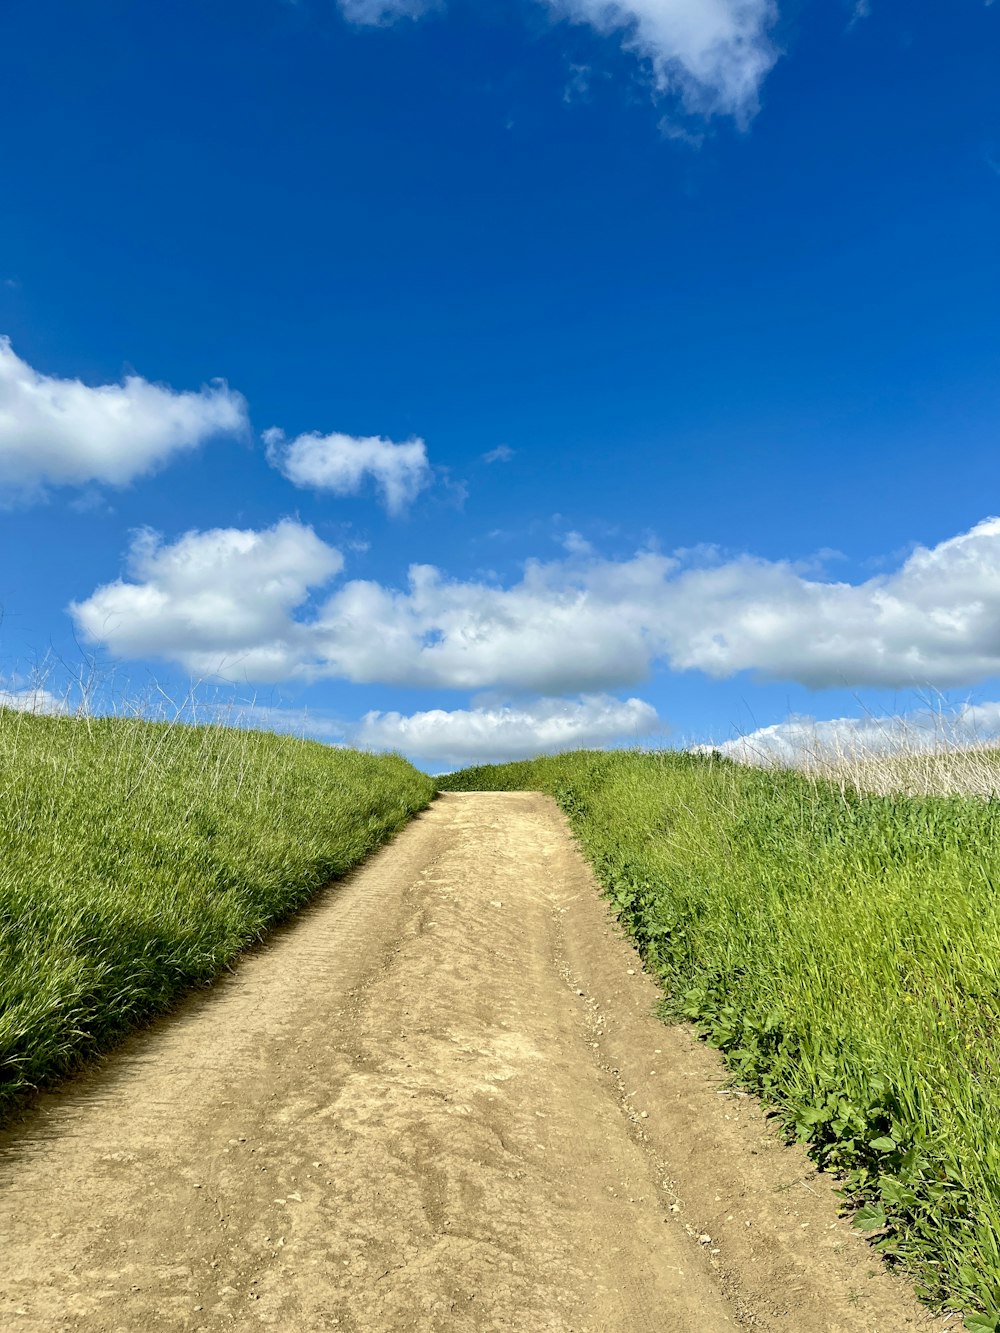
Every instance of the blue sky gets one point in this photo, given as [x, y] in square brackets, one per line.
[666, 333]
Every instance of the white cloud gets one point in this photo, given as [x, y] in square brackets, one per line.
[862, 10]
[488, 732]
[581, 624]
[375, 13]
[503, 453]
[576, 544]
[508, 731]
[35, 700]
[806, 741]
[566, 627]
[342, 463]
[62, 432]
[714, 53]
[933, 622]
[220, 602]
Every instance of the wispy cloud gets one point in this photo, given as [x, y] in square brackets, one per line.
[503, 453]
[712, 54]
[578, 83]
[377, 13]
[862, 10]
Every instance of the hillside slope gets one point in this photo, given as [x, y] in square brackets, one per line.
[137, 859]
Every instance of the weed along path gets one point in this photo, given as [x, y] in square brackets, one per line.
[436, 1101]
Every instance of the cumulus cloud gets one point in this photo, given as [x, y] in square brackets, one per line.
[59, 432]
[220, 602]
[714, 53]
[804, 740]
[936, 621]
[342, 464]
[566, 627]
[508, 731]
[580, 624]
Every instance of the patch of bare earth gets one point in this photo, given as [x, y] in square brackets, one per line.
[437, 1101]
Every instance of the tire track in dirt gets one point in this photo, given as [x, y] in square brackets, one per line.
[436, 1101]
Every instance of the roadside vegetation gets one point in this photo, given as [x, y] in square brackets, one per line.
[949, 771]
[841, 947]
[935, 752]
[139, 858]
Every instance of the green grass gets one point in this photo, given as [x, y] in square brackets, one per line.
[842, 949]
[137, 859]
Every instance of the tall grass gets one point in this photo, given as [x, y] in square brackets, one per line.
[937, 751]
[842, 948]
[139, 858]
[948, 771]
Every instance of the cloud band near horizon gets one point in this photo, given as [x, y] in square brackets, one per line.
[257, 605]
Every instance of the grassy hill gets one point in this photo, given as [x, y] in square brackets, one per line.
[137, 859]
[842, 949]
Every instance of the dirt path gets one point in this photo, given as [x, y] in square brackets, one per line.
[438, 1101]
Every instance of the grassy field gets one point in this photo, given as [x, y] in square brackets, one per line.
[843, 950]
[137, 859]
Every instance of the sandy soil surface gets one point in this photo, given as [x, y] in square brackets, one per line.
[437, 1101]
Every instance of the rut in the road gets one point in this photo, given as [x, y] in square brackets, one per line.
[437, 1101]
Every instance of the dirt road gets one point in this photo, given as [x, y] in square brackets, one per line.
[437, 1101]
